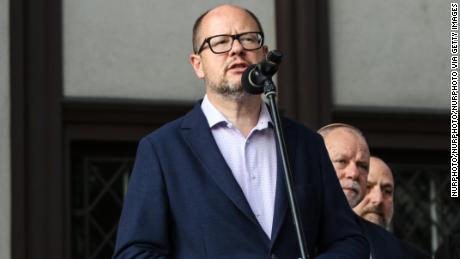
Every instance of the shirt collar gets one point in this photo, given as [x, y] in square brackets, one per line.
[215, 117]
[265, 120]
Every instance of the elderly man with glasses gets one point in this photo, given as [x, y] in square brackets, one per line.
[209, 185]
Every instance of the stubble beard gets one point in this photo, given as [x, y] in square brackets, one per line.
[353, 198]
[377, 215]
[226, 89]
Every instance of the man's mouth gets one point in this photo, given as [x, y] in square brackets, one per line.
[374, 216]
[238, 67]
[375, 213]
[348, 190]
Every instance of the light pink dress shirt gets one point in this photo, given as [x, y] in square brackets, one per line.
[252, 160]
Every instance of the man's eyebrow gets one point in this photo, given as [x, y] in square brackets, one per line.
[388, 185]
[371, 183]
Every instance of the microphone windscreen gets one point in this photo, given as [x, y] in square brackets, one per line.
[246, 81]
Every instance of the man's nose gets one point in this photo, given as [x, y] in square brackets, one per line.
[375, 195]
[352, 171]
[237, 48]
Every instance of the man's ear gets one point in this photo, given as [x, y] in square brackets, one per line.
[197, 65]
[265, 50]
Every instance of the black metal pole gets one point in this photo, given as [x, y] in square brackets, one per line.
[270, 93]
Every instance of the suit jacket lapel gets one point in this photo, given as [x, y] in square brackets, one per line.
[196, 132]
[281, 197]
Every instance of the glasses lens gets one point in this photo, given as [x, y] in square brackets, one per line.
[221, 43]
[251, 40]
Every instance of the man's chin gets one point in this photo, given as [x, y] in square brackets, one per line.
[233, 79]
[350, 192]
[375, 218]
[226, 88]
[231, 91]
[352, 197]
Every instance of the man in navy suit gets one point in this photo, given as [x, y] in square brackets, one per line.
[350, 157]
[210, 184]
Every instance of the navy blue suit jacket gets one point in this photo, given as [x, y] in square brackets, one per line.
[183, 201]
[413, 252]
[382, 243]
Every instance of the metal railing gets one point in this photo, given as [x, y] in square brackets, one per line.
[424, 212]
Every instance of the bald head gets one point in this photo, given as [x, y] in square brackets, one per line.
[380, 192]
[224, 9]
[349, 154]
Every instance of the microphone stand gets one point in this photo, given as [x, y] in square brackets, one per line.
[270, 94]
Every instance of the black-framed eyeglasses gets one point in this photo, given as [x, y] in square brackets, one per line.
[222, 43]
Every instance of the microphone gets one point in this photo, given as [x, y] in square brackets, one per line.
[255, 75]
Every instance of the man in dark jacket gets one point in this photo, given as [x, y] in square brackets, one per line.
[377, 204]
[210, 185]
